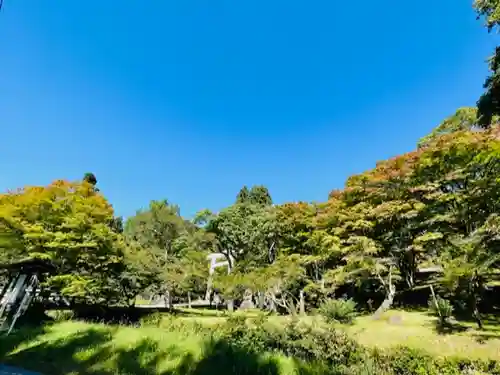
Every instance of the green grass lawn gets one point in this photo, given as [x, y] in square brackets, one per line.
[418, 330]
[84, 348]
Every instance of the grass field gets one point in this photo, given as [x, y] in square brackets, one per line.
[84, 348]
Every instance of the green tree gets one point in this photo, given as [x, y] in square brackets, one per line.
[489, 10]
[90, 178]
[244, 233]
[69, 225]
[156, 228]
[174, 250]
[243, 195]
[489, 103]
[259, 194]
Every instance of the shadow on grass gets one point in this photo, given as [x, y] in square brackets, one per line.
[449, 328]
[202, 313]
[490, 330]
[485, 336]
[92, 352]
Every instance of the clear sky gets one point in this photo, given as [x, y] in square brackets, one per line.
[191, 99]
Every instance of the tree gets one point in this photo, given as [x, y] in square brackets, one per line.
[243, 195]
[90, 178]
[490, 11]
[244, 233]
[156, 228]
[489, 103]
[260, 195]
[174, 250]
[68, 224]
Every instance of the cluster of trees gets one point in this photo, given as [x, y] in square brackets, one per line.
[428, 217]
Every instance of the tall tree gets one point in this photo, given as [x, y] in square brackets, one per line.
[259, 194]
[244, 233]
[174, 250]
[243, 195]
[156, 228]
[489, 103]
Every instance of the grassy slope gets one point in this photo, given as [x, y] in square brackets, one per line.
[81, 348]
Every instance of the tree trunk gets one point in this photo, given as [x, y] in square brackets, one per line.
[475, 287]
[388, 301]
[170, 304]
[436, 306]
[272, 303]
[189, 299]
[230, 305]
[475, 313]
[302, 304]
[261, 299]
[209, 286]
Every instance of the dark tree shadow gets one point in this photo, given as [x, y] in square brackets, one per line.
[490, 330]
[221, 358]
[59, 356]
[448, 328]
[11, 342]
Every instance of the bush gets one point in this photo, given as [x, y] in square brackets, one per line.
[329, 351]
[441, 308]
[338, 310]
[406, 361]
[312, 344]
[63, 315]
[151, 320]
[325, 344]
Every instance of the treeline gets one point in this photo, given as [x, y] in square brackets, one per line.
[428, 217]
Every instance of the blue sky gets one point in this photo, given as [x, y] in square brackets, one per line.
[189, 100]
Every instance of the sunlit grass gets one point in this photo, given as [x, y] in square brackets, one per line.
[418, 330]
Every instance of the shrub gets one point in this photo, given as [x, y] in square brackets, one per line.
[151, 320]
[325, 344]
[63, 315]
[305, 342]
[338, 310]
[441, 308]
